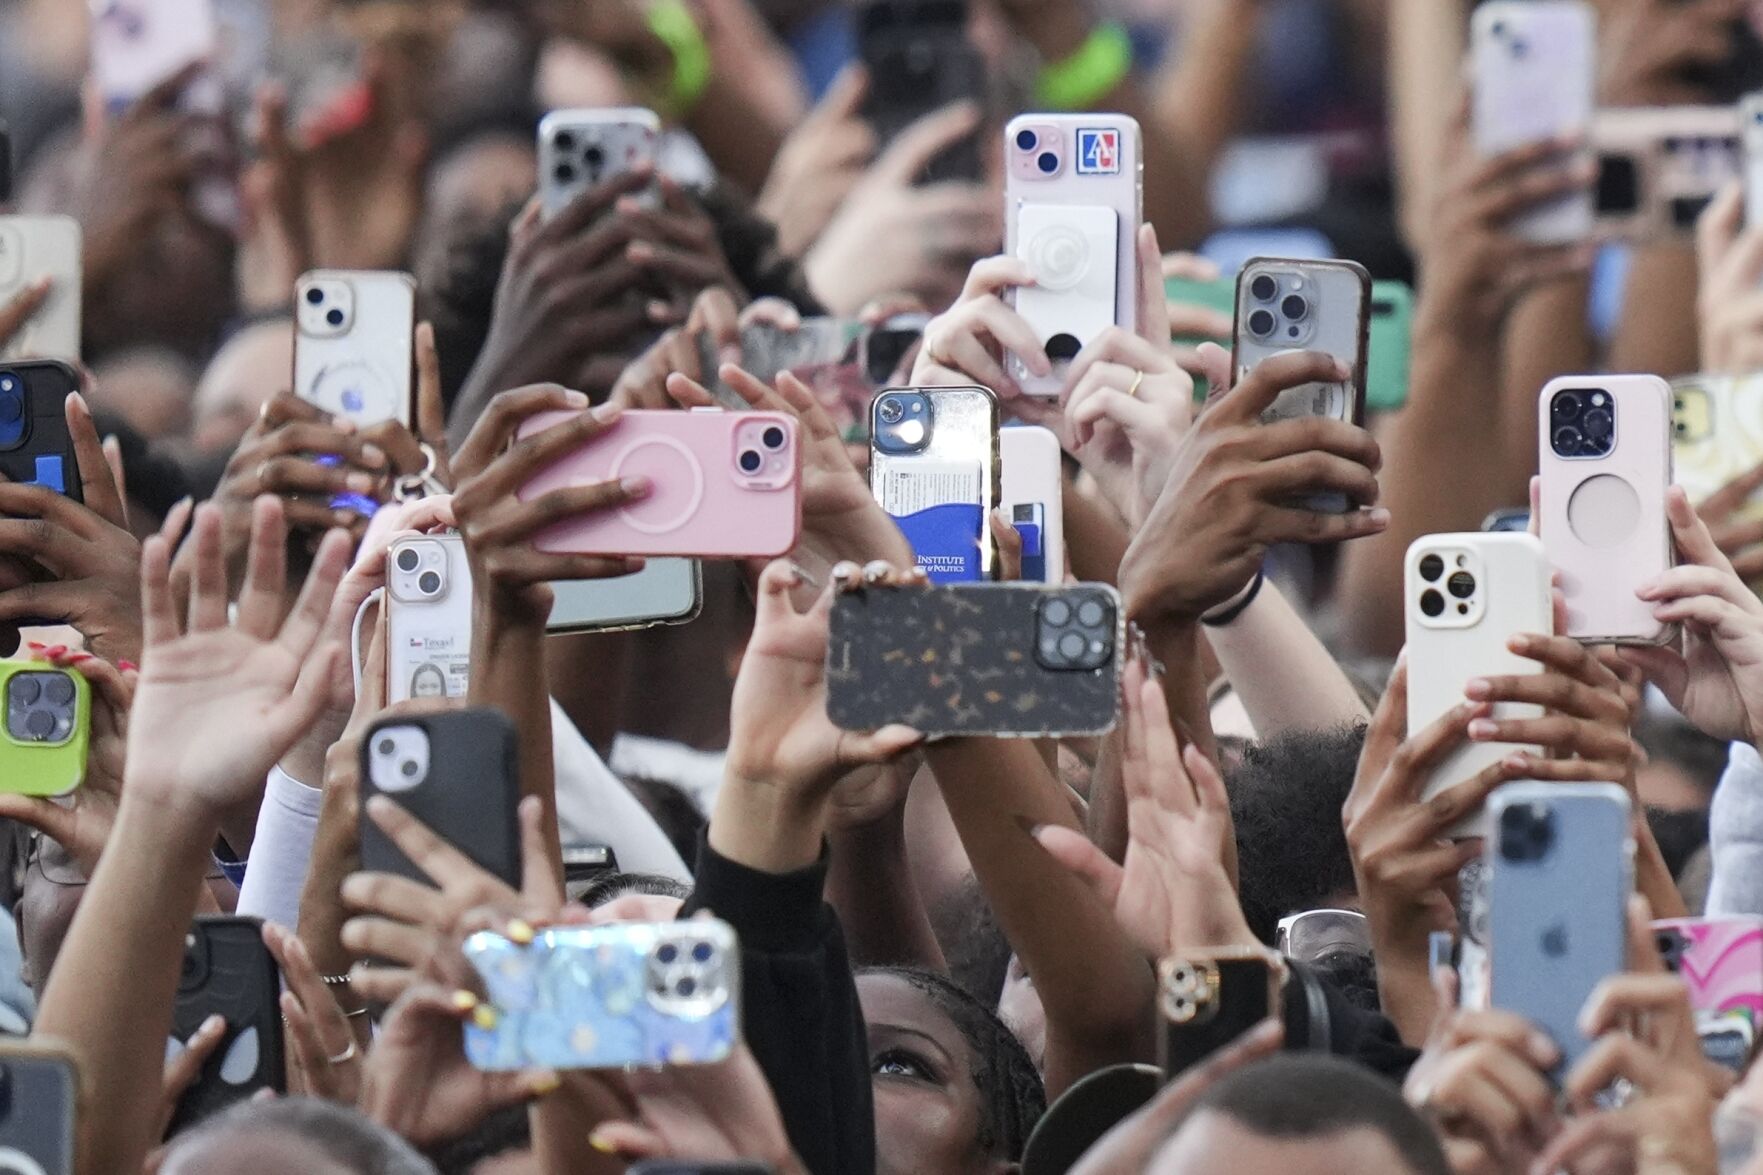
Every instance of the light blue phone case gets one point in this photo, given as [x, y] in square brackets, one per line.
[606, 997]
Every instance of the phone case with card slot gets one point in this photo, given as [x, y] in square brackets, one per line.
[1073, 199]
[1603, 501]
[1208, 998]
[606, 997]
[1297, 305]
[228, 972]
[33, 247]
[1717, 435]
[352, 347]
[1033, 477]
[939, 487]
[721, 485]
[428, 617]
[35, 446]
[1559, 871]
[39, 1114]
[466, 796]
[45, 728]
[579, 149]
[1720, 961]
[977, 659]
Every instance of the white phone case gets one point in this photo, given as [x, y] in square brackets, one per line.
[428, 618]
[1751, 152]
[1075, 219]
[1534, 65]
[1603, 512]
[1507, 592]
[1031, 480]
[352, 349]
[42, 246]
[581, 148]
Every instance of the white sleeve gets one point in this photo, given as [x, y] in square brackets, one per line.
[1735, 836]
[595, 808]
[281, 852]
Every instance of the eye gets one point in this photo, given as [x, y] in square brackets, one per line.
[900, 1063]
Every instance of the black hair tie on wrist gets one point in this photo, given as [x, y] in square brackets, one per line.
[1219, 620]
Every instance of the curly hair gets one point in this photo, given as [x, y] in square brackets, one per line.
[1011, 1096]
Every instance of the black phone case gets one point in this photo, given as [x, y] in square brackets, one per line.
[43, 453]
[227, 970]
[468, 799]
[964, 659]
[919, 60]
[39, 1101]
[1247, 995]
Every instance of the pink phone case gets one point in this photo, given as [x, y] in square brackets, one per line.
[1720, 961]
[1603, 500]
[722, 485]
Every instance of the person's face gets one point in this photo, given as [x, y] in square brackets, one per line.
[240, 378]
[45, 911]
[1210, 1142]
[267, 1152]
[927, 1107]
[427, 684]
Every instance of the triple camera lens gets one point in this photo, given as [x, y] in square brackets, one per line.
[1075, 631]
[1582, 422]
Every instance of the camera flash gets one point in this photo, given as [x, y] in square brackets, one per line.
[912, 431]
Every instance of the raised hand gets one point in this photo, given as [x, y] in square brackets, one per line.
[1729, 305]
[1738, 536]
[1584, 731]
[819, 164]
[1176, 887]
[16, 312]
[706, 1113]
[324, 1055]
[966, 344]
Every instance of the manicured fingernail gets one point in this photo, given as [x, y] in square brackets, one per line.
[545, 1083]
[575, 399]
[1482, 728]
[373, 455]
[214, 1023]
[1378, 516]
[634, 487]
[464, 1000]
[35, 646]
[1477, 687]
[601, 1143]
[484, 1017]
[520, 931]
[127, 666]
[56, 650]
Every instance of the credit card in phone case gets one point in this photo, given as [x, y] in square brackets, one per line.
[1008, 659]
[603, 997]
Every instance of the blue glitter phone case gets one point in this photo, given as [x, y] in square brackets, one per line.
[604, 997]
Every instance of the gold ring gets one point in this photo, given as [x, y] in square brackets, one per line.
[1138, 377]
[347, 1054]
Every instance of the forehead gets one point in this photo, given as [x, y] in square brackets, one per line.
[1210, 1142]
[890, 1001]
[265, 1152]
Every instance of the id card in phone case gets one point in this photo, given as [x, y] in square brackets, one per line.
[933, 466]
[604, 997]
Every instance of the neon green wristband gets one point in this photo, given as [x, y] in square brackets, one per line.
[1083, 79]
[673, 25]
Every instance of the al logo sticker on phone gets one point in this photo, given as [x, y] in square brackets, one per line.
[1098, 151]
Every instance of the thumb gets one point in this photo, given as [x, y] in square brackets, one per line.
[627, 1140]
[1080, 855]
[878, 746]
[1214, 364]
[914, 148]
[844, 98]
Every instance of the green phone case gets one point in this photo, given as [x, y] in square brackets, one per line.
[43, 732]
[1392, 328]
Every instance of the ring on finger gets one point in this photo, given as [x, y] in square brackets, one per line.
[347, 1054]
[1138, 377]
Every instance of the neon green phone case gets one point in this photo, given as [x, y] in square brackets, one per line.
[44, 728]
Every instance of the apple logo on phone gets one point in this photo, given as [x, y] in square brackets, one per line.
[1555, 940]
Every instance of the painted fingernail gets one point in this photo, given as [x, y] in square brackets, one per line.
[56, 650]
[520, 931]
[575, 399]
[464, 1000]
[484, 1017]
[127, 666]
[545, 1083]
[372, 454]
[360, 483]
[602, 1144]
[634, 487]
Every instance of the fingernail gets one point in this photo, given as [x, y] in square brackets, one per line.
[1543, 1050]
[360, 483]
[639, 252]
[127, 666]
[214, 1023]
[802, 575]
[42, 283]
[627, 205]
[634, 487]
[35, 646]
[575, 399]
[373, 455]
[520, 931]
[464, 1000]
[660, 311]
[1476, 687]
[601, 1143]
[484, 1017]
[1481, 728]
[1378, 515]
[56, 650]
[545, 1083]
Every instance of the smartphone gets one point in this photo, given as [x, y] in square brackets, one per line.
[665, 591]
[35, 446]
[604, 997]
[1751, 152]
[918, 59]
[933, 466]
[1658, 168]
[722, 485]
[583, 866]
[39, 1109]
[33, 247]
[1507, 520]
[228, 971]
[1720, 961]
[1716, 434]
[580, 149]
[1292, 305]
[47, 725]
[1207, 998]
[1533, 66]
[1073, 202]
[1032, 475]
[1605, 460]
[1559, 873]
[457, 772]
[1464, 596]
[1008, 660]
[767, 351]
[428, 617]
[352, 343]
[1389, 355]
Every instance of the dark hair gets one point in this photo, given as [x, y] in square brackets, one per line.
[616, 885]
[337, 1132]
[506, 1130]
[1309, 1095]
[674, 812]
[1285, 798]
[1011, 1096]
[155, 480]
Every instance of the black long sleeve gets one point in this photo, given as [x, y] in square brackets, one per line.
[799, 1006]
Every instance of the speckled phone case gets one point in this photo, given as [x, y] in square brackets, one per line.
[228, 971]
[604, 997]
[971, 659]
[939, 495]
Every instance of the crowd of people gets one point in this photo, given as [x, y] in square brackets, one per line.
[948, 948]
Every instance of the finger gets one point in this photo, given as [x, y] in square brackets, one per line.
[922, 141]
[159, 622]
[377, 938]
[1078, 854]
[1267, 379]
[507, 411]
[18, 310]
[381, 984]
[98, 484]
[1153, 319]
[1694, 543]
[1307, 526]
[994, 275]
[1732, 495]
[439, 861]
[538, 450]
[390, 896]
[519, 521]
[431, 407]
[539, 881]
[208, 588]
[47, 817]
[1008, 541]
[880, 746]
[260, 602]
[305, 621]
[182, 1070]
[1389, 722]
[310, 1053]
[1718, 226]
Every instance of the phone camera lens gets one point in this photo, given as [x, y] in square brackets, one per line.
[1026, 140]
[1431, 567]
[58, 689]
[1261, 323]
[315, 296]
[773, 437]
[1072, 645]
[334, 317]
[26, 689]
[387, 746]
[40, 724]
[593, 157]
[8, 384]
[428, 583]
[1056, 613]
[1263, 288]
[1090, 613]
[408, 768]
[565, 140]
[1432, 603]
[1047, 162]
[890, 411]
[563, 173]
[1294, 307]
[1566, 407]
[750, 461]
[408, 560]
[1597, 424]
[1567, 440]
[702, 952]
[666, 953]
[1461, 584]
